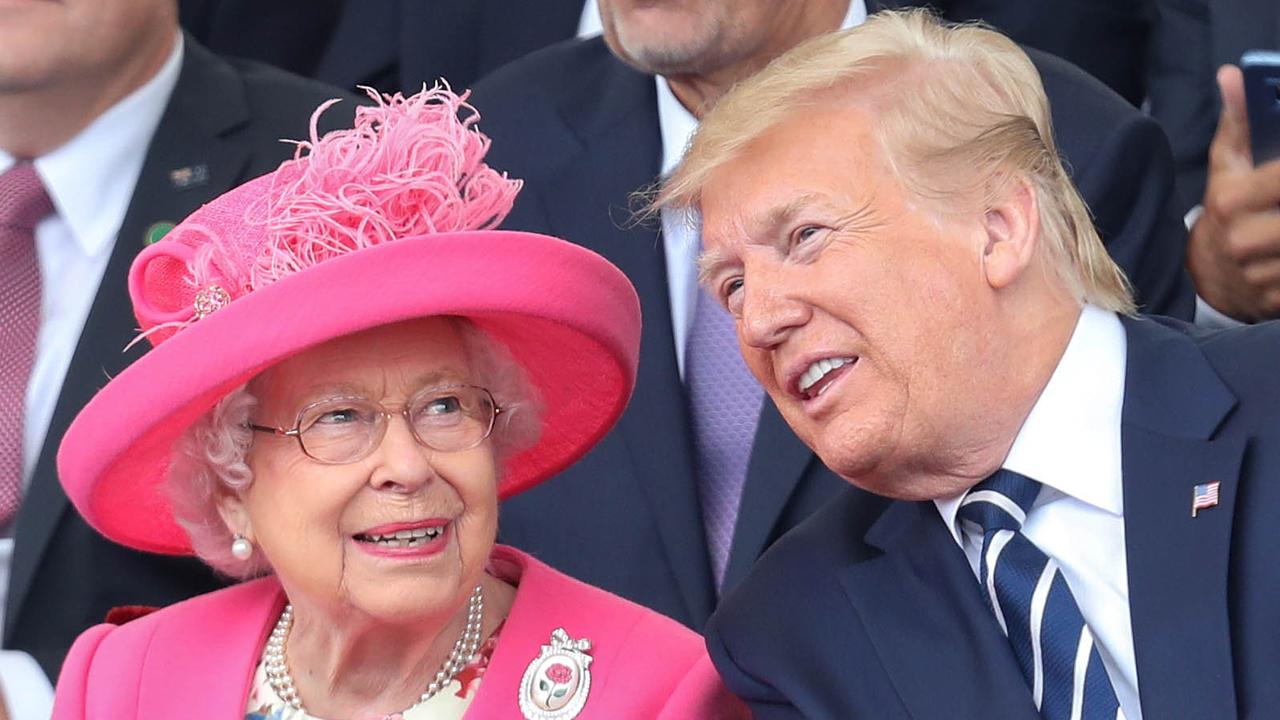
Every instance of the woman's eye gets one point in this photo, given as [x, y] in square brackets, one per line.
[442, 406]
[342, 416]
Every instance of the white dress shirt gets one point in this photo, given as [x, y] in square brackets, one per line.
[90, 180]
[1070, 442]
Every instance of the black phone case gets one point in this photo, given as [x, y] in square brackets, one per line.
[1262, 96]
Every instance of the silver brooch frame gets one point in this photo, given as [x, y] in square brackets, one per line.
[556, 683]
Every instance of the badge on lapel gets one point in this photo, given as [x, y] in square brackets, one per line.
[190, 176]
[156, 232]
[556, 683]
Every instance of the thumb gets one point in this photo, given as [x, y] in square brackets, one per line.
[1230, 148]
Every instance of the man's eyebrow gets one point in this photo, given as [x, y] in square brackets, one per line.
[764, 232]
[711, 262]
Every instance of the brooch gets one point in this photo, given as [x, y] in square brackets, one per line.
[556, 683]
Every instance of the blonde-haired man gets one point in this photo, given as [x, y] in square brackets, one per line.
[917, 286]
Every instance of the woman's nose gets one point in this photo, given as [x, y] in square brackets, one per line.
[402, 464]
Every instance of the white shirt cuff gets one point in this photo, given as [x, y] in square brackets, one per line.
[27, 691]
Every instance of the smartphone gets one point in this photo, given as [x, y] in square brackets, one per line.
[1262, 100]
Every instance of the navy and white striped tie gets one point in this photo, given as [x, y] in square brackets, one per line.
[1035, 608]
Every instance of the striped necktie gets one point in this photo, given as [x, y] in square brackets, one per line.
[1035, 608]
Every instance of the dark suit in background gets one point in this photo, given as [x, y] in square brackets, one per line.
[1105, 38]
[227, 118]
[400, 44]
[856, 615]
[289, 34]
[581, 128]
[1193, 39]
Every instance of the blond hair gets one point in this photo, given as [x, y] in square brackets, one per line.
[958, 109]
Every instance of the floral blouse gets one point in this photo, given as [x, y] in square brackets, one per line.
[450, 703]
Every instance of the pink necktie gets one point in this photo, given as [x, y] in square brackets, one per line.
[23, 203]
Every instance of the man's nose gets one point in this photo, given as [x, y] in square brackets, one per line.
[770, 309]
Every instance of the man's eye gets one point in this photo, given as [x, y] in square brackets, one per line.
[731, 295]
[729, 288]
[806, 233]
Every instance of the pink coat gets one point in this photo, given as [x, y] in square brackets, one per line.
[196, 659]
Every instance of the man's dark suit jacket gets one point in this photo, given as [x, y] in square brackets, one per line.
[400, 44]
[581, 129]
[228, 119]
[865, 615]
[1193, 38]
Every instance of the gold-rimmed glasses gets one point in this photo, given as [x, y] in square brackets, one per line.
[340, 430]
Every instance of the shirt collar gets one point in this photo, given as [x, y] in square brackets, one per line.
[91, 177]
[677, 124]
[1070, 441]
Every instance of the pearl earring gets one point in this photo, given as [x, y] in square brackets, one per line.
[241, 548]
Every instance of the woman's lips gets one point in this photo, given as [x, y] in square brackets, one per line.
[405, 540]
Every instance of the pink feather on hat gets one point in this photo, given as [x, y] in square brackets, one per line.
[409, 167]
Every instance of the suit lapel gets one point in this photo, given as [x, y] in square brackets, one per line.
[612, 150]
[207, 103]
[921, 607]
[1177, 564]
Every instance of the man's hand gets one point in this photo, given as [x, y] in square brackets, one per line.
[1233, 252]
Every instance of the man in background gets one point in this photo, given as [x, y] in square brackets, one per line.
[1197, 93]
[113, 127]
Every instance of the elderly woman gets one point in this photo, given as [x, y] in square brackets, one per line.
[350, 370]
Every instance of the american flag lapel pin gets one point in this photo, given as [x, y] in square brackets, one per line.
[1204, 496]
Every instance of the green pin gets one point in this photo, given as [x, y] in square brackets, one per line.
[156, 232]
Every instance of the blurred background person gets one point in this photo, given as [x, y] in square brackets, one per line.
[348, 374]
[1234, 248]
[400, 44]
[113, 126]
[707, 470]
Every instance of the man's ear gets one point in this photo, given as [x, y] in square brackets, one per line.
[234, 514]
[1012, 229]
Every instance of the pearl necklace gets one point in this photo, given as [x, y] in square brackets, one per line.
[463, 651]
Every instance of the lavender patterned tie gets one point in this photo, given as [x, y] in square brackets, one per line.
[724, 402]
[23, 203]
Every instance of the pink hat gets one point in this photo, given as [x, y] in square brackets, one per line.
[386, 222]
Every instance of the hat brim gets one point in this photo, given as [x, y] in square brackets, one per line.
[569, 317]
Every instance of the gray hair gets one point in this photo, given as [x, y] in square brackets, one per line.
[209, 459]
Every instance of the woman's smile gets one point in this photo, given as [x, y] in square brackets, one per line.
[406, 541]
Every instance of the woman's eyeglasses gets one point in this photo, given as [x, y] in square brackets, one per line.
[344, 430]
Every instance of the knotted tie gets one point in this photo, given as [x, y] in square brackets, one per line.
[1034, 606]
[23, 203]
[724, 402]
